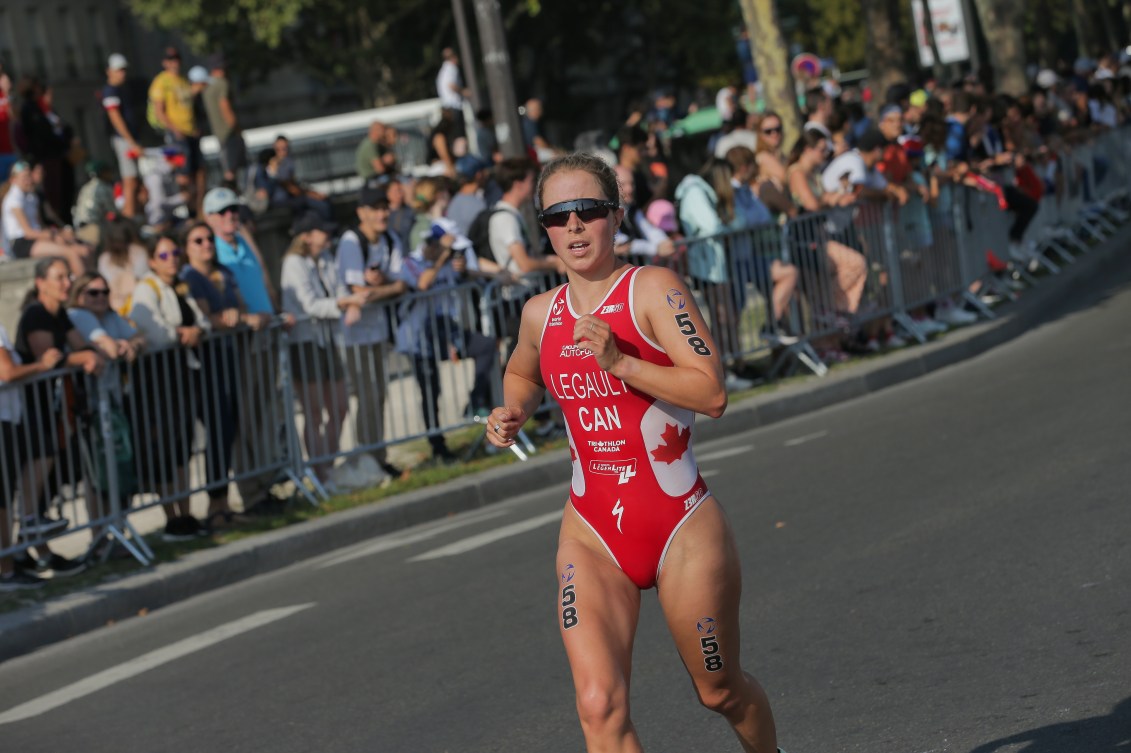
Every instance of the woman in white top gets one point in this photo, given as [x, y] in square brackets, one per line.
[24, 234]
[167, 383]
[309, 280]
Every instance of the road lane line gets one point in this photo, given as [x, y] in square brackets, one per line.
[483, 539]
[808, 437]
[719, 455]
[709, 474]
[392, 541]
[144, 663]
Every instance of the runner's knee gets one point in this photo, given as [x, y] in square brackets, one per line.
[603, 707]
[724, 698]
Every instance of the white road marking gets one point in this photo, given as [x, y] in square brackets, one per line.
[483, 539]
[144, 663]
[802, 440]
[729, 452]
[392, 541]
[708, 474]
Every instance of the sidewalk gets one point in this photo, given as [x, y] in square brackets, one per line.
[32, 627]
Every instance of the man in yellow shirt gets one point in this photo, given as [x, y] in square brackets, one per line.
[170, 99]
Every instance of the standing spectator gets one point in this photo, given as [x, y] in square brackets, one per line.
[24, 233]
[124, 260]
[369, 265]
[8, 154]
[310, 293]
[170, 97]
[225, 125]
[122, 128]
[168, 384]
[44, 331]
[401, 215]
[509, 237]
[95, 203]
[771, 182]
[531, 121]
[449, 85]
[442, 144]
[48, 143]
[433, 328]
[631, 141]
[468, 202]
[14, 448]
[374, 158]
[256, 394]
[486, 143]
[638, 238]
[213, 287]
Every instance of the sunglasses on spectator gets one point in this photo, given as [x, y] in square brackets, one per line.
[97, 292]
[165, 255]
[233, 209]
[200, 240]
[587, 210]
[769, 131]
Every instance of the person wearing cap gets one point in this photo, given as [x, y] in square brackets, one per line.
[95, 203]
[122, 128]
[369, 264]
[311, 294]
[855, 170]
[237, 251]
[225, 125]
[472, 174]
[374, 158]
[434, 328]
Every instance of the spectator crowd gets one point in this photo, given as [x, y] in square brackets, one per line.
[157, 282]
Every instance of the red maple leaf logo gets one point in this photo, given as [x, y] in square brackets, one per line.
[675, 444]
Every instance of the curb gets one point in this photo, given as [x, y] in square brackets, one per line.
[33, 627]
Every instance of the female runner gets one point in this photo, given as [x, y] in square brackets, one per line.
[626, 353]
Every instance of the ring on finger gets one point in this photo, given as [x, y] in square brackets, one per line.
[498, 428]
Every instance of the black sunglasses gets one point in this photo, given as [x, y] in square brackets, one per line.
[768, 131]
[96, 292]
[587, 211]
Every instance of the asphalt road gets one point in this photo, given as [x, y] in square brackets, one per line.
[942, 566]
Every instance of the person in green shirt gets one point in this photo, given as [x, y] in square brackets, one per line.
[374, 157]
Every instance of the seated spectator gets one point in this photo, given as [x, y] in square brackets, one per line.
[434, 328]
[123, 260]
[24, 232]
[310, 285]
[276, 177]
[14, 451]
[638, 238]
[472, 174]
[95, 203]
[374, 158]
[44, 331]
[774, 277]
[167, 384]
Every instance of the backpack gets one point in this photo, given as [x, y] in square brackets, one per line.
[128, 306]
[479, 233]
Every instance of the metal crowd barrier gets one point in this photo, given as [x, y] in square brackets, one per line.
[255, 407]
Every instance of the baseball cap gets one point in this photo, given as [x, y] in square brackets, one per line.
[1047, 78]
[198, 75]
[216, 62]
[371, 196]
[219, 199]
[117, 62]
[661, 213]
[442, 226]
[871, 139]
[172, 53]
[313, 221]
[919, 98]
[469, 165]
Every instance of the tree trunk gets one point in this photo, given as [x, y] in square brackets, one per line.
[886, 64]
[1001, 24]
[771, 58]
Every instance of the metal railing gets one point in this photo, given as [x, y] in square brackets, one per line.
[251, 408]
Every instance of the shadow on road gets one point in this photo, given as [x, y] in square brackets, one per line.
[1097, 734]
